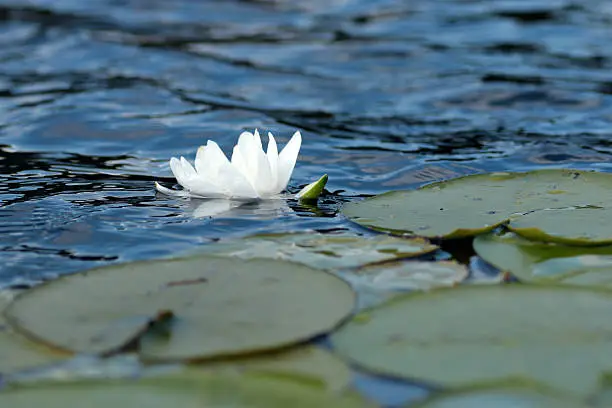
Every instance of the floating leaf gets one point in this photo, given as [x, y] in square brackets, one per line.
[501, 397]
[84, 367]
[186, 308]
[534, 261]
[212, 390]
[475, 204]
[324, 251]
[556, 335]
[571, 226]
[17, 353]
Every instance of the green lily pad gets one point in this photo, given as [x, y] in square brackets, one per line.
[559, 336]
[323, 251]
[185, 308]
[475, 204]
[312, 364]
[501, 397]
[533, 261]
[571, 226]
[212, 390]
[18, 353]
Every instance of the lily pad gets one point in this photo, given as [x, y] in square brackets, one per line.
[533, 261]
[310, 363]
[16, 352]
[323, 251]
[203, 390]
[501, 397]
[571, 226]
[185, 308]
[559, 336]
[475, 204]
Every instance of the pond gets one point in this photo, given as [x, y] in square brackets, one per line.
[96, 96]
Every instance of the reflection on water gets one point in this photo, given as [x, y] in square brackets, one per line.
[261, 210]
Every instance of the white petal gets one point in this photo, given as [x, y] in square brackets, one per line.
[202, 188]
[170, 192]
[272, 156]
[201, 161]
[177, 169]
[287, 159]
[249, 158]
[188, 169]
[246, 160]
[244, 140]
[217, 160]
[263, 181]
[238, 161]
[187, 177]
[257, 140]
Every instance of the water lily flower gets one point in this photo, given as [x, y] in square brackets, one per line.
[250, 174]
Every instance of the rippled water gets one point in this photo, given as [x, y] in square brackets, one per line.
[96, 95]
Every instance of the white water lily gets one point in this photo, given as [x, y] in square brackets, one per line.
[250, 174]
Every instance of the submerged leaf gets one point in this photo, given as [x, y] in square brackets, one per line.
[323, 251]
[313, 364]
[211, 390]
[533, 261]
[501, 396]
[376, 283]
[411, 275]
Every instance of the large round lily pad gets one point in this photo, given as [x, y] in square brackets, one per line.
[534, 261]
[557, 335]
[186, 308]
[18, 353]
[501, 397]
[476, 204]
[202, 390]
[571, 226]
[324, 251]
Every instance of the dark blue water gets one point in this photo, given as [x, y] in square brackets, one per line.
[97, 95]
